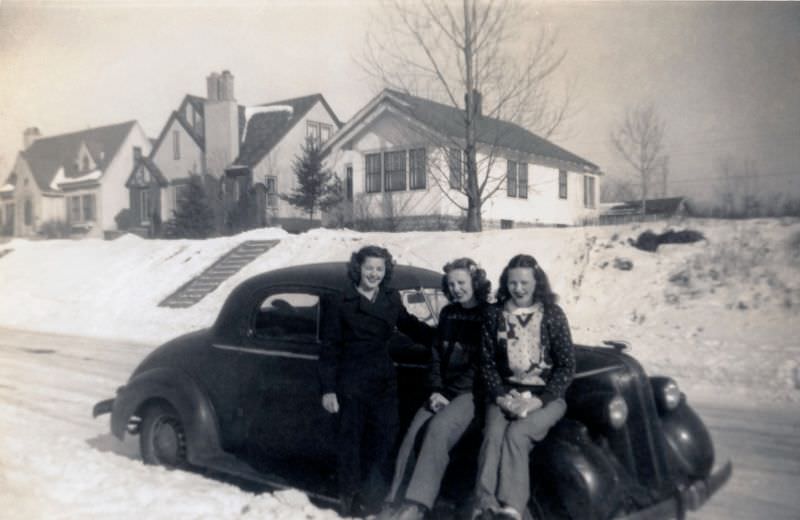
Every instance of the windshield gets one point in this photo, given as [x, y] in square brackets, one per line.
[424, 303]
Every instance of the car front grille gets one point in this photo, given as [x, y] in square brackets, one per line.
[639, 446]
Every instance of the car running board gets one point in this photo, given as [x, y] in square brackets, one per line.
[233, 466]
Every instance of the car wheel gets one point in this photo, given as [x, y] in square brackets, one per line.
[162, 438]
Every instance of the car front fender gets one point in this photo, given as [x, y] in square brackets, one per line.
[689, 440]
[183, 393]
[578, 473]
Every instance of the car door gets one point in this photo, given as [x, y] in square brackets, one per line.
[288, 429]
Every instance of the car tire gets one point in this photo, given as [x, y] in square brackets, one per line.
[162, 438]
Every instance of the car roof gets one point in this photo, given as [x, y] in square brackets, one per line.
[327, 276]
[333, 275]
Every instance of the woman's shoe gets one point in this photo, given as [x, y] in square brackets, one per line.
[410, 511]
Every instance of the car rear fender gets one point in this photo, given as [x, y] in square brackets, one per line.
[580, 479]
[183, 393]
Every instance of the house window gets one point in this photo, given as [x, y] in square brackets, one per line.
[10, 208]
[456, 165]
[180, 192]
[416, 169]
[588, 191]
[271, 183]
[318, 132]
[394, 164]
[237, 190]
[88, 207]
[74, 203]
[176, 144]
[137, 153]
[522, 180]
[562, 184]
[372, 170]
[85, 163]
[348, 181]
[144, 206]
[511, 178]
[28, 212]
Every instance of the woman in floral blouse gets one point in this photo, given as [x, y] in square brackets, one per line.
[527, 362]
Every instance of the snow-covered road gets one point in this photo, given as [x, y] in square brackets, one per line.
[58, 462]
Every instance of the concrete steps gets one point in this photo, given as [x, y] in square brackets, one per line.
[206, 282]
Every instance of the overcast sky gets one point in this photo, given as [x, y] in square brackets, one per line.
[725, 76]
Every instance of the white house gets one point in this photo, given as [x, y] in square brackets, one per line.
[244, 153]
[76, 178]
[401, 158]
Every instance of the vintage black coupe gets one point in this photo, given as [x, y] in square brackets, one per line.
[242, 398]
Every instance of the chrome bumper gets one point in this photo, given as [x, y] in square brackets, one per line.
[690, 498]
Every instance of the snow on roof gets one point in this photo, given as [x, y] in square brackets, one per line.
[62, 180]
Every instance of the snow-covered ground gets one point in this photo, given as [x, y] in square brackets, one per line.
[718, 315]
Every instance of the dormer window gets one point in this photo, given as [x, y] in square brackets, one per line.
[318, 132]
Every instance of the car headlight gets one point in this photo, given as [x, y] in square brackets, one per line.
[667, 393]
[617, 412]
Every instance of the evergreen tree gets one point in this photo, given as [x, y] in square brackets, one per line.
[318, 189]
[193, 217]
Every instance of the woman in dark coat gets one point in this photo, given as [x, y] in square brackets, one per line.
[358, 378]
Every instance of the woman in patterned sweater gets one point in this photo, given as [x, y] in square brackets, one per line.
[527, 363]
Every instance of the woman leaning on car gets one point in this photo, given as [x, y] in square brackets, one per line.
[453, 380]
[358, 378]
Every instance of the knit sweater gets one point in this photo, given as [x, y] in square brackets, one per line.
[512, 358]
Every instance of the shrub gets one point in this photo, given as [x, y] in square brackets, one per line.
[124, 219]
[54, 229]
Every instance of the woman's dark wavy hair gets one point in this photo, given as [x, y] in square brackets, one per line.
[358, 258]
[543, 293]
[480, 284]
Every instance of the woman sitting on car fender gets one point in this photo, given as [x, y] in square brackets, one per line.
[358, 377]
[452, 379]
[527, 361]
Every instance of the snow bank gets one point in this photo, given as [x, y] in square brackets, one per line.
[715, 314]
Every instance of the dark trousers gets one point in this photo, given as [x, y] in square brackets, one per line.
[368, 424]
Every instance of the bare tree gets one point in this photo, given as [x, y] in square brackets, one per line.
[737, 190]
[490, 54]
[639, 140]
[616, 189]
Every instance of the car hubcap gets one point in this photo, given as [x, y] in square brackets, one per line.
[168, 441]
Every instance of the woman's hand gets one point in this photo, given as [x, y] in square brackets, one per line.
[518, 405]
[522, 406]
[330, 402]
[437, 401]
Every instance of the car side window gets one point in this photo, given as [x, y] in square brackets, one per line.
[425, 304]
[288, 316]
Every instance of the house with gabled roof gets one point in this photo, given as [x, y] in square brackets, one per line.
[401, 158]
[77, 178]
[244, 154]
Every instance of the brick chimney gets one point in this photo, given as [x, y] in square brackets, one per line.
[212, 86]
[29, 136]
[221, 119]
